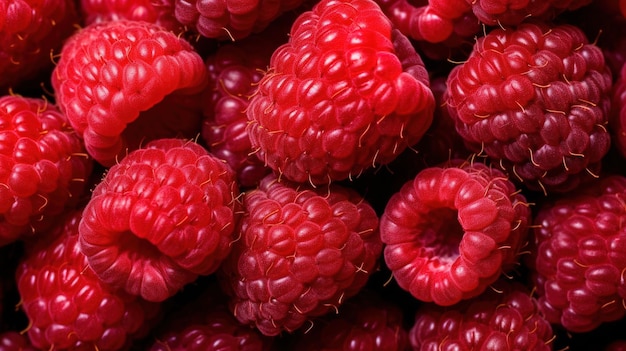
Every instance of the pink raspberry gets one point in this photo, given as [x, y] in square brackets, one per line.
[67, 305]
[453, 230]
[504, 318]
[124, 83]
[579, 257]
[30, 32]
[43, 166]
[301, 252]
[345, 93]
[160, 218]
[536, 101]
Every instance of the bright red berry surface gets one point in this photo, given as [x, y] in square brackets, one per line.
[120, 83]
[536, 101]
[301, 252]
[162, 216]
[43, 166]
[453, 230]
[345, 93]
[68, 306]
[579, 257]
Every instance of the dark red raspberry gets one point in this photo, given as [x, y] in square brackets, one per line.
[160, 218]
[618, 113]
[364, 322]
[512, 13]
[230, 19]
[347, 92]
[43, 166]
[617, 345]
[302, 251]
[124, 83]
[30, 33]
[578, 256]
[437, 26]
[67, 305]
[14, 341]
[503, 318]
[536, 100]
[235, 70]
[206, 323]
[453, 231]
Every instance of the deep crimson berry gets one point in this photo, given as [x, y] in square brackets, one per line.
[512, 13]
[14, 341]
[160, 218]
[301, 252]
[124, 83]
[503, 318]
[578, 258]
[453, 230]
[43, 166]
[347, 92]
[536, 101]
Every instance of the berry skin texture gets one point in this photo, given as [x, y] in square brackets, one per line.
[160, 218]
[29, 31]
[43, 166]
[346, 93]
[67, 305]
[450, 232]
[121, 82]
[618, 113]
[153, 11]
[229, 19]
[513, 13]
[502, 320]
[301, 252]
[536, 101]
[14, 341]
[578, 256]
[364, 322]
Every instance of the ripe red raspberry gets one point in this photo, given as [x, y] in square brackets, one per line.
[535, 100]
[30, 33]
[160, 218]
[579, 258]
[234, 72]
[364, 322]
[301, 253]
[14, 341]
[503, 319]
[206, 323]
[153, 11]
[618, 113]
[67, 305]
[438, 26]
[345, 93]
[514, 12]
[230, 19]
[124, 83]
[453, 230]
[43, 166]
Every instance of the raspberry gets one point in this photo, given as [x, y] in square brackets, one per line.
[578, 258]
[453, 230]
[512, 13]
[206, 323]
[68, 307]
[29, 32]
[364, 322]
[14, 341]
[301, 253]
[345, 93]
[120, 83]
[447, 24]
[234, 72]
[230, 19]
[618, 113]
[160, 218]
[43, 166]
[153, 11]
[506, 319]
[535, 100]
